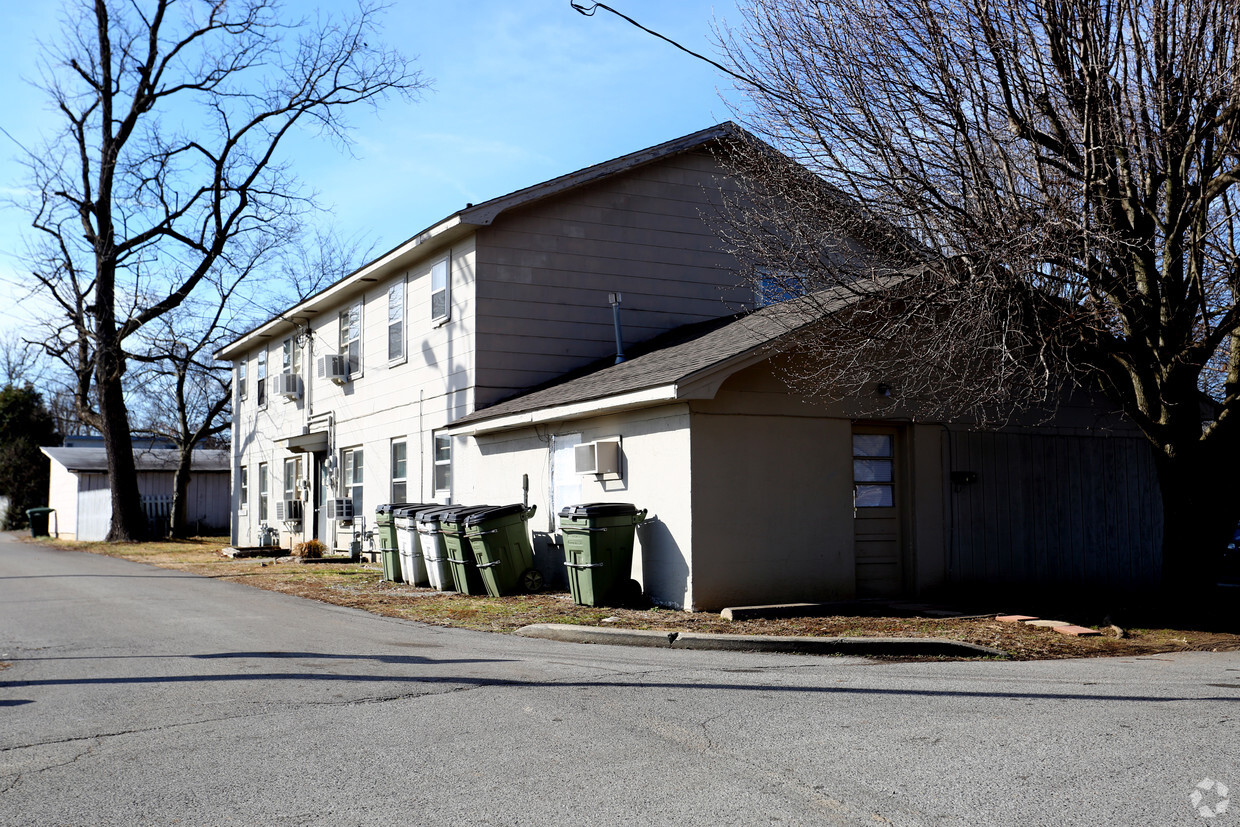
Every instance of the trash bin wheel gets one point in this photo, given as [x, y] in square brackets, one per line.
[532, 581]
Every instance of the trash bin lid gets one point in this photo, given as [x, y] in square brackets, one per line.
[433, 513]
[39, 510]
[407, 510]
[598, 510]
[389, 508]
[495, 512]
[459, 513]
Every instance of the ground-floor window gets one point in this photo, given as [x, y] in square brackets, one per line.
[351, 463]
[262, 492]
[400, 473]
[443, 464]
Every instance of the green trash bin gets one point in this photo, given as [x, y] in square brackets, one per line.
[502, 549]
[38, 520]
[460, 553]
[598, 552]
[385, 521]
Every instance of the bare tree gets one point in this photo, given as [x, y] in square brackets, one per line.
[174, 115]
[21, 362]
[168, 168]
[1064, 170]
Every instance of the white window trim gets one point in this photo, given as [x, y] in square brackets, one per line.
[360, 304]
[349, 456]
[436, 462]
[243, 489]
[392, 478]
[299, 474]
[293, 349]
[446, 317]
[400, 285]
[264, 492]
[263, 396]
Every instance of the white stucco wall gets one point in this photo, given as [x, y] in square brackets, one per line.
[655, 449]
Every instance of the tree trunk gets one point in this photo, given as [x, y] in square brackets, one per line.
[180, 492]
[128, 520]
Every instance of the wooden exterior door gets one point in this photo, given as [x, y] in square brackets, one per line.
[877, 517]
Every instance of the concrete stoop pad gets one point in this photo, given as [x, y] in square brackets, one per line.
[858, 646]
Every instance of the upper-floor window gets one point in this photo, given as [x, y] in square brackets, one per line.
[290, 356]
[443, 464]
[241, 389]
[775, 286]
[441, 289]
[400, 471]
[260, 378]
[396, 322]
[351, 336]
[351, 461]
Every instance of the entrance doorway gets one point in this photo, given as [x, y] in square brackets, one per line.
[877, 512]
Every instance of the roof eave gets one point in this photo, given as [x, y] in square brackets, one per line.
[450, 229]
[644, 398]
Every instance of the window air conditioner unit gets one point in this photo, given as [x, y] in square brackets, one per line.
[334, 367]
[340, 509]
[288, 385]
[289, 511]
[599, 457]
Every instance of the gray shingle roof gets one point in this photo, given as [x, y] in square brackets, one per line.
[680, 354]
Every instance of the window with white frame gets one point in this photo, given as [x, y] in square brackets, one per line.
[290, 356]
[400, 471]
[241, 389]
[243, 488]
[351, 336]
[396, 322]
[441, 289]
[260, 378]
[292, 478]
[351, 462]
[443, 464]
[262, 492]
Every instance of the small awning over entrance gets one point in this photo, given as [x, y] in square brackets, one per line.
[308, 442]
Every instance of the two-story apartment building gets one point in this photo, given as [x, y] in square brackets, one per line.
[474, 362]
[346, 394]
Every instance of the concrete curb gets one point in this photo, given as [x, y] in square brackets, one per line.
[858, 646]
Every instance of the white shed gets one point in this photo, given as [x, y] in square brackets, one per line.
[80, 491]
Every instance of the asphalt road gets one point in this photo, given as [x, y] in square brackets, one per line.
[143, 696]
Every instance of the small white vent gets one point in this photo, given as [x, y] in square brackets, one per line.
[340, 509]
[287, 385]
[334, 367]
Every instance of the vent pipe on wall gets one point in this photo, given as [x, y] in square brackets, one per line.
[614, 298]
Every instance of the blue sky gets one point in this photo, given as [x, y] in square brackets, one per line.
[524, 90]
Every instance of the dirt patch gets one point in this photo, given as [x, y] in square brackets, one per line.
[360, 586]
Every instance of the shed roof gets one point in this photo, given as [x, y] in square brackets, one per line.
[151, 459]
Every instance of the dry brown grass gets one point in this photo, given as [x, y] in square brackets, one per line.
[360, 586]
